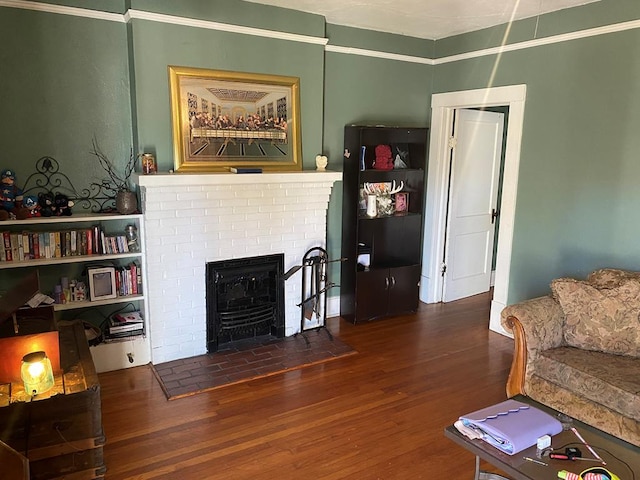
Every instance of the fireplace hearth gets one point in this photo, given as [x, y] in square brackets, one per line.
[245, 300]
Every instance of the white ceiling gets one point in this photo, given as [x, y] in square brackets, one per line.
[431, 19]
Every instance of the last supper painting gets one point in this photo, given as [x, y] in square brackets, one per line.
[223, 119]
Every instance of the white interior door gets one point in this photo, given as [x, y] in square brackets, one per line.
[473, 193]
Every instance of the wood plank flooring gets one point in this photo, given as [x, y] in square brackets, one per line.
[379, 414]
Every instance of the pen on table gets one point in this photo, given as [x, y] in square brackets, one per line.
[575, 432]
[529, 459]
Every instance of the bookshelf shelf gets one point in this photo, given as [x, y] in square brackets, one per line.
[79, 218]
[112, 354]
[73, 259]
[97, 303]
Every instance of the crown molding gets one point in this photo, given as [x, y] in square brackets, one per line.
[161, 18]
[223, 27]
[62, 10]
[374, 53]
[538, 42]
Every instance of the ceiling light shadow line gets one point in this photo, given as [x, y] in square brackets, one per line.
[565, 37]
[507, 31]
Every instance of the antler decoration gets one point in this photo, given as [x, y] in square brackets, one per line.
[382, 188]
[395, 189]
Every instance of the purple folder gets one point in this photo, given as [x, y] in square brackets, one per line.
[512, 426]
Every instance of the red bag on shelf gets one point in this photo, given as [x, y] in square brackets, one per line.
[384, 159]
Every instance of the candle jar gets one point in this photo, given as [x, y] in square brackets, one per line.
[149, 164]
[372, 208]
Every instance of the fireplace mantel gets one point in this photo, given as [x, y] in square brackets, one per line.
[227, 178]
[194, 218]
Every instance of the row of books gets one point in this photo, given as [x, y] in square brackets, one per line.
[129, 280]
[20, 246]
[127, 324]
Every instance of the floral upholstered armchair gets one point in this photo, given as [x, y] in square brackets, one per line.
[578, 350]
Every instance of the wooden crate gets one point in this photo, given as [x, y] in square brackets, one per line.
[14, 465]
[79, 459]
[53, 431]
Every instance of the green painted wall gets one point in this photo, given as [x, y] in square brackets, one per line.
[68, 79]
[63, 80]
[92, 77]
[157, 45]
[577, 192]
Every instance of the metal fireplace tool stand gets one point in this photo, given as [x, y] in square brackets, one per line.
[314, 290]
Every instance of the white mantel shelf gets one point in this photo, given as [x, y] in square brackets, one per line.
[188, 179]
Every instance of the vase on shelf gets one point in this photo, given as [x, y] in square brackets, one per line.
[126, 202]
[385, 204]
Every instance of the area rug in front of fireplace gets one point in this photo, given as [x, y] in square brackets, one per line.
[246, 361]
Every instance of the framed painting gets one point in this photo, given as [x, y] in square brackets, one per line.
[223, 119]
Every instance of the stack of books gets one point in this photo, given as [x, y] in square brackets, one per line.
[26, 245]
[127, 324]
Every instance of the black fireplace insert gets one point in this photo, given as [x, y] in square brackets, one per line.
[245, 300]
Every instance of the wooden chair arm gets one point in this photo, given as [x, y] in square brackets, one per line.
[536, 325]
[515, 382]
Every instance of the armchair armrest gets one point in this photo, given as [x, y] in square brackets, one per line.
[536, 325]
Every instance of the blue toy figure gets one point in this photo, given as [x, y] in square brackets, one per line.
[11, 197]
[30, 202]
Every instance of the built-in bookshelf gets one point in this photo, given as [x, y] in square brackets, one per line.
[65, 249]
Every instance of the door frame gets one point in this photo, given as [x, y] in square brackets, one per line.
[443, 106]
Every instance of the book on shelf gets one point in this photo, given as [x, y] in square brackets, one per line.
[125, 327]
[128, 317]
[58, 245]
[129, 333]
[116, 337]
[245, 170]
[126, 323]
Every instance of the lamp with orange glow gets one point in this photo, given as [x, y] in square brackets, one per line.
[36, 373]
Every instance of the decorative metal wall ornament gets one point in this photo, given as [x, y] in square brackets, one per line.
[98, 197]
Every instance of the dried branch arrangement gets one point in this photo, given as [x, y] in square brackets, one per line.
[118, 181]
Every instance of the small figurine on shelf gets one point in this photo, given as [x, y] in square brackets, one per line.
[62, 205]
[81, 292]
[30, 202]
[47, 205]
[11, 198]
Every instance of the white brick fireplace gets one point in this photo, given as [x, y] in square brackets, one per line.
[192, 219]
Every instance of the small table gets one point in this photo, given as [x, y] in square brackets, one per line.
[614, 451]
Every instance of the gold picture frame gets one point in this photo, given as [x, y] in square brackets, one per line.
[223, 119]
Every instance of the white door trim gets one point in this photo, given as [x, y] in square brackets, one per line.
[443, 105]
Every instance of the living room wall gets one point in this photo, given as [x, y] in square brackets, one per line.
[64, 81]
[68, 78]
[73, 78]
[577, 194]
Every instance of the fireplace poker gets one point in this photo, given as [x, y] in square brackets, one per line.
[314, 289]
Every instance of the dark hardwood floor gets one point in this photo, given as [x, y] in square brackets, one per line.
[379, 414]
